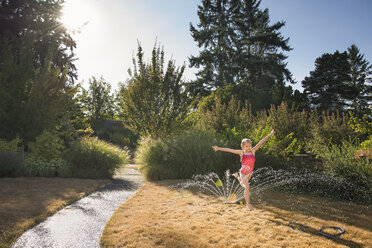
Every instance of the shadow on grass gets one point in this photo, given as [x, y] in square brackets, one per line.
[338, 240]
[346, 212]
[324, 209]
[327, 209]
[321, 208]
[315, 232]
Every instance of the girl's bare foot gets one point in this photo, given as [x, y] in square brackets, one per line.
[250, 207]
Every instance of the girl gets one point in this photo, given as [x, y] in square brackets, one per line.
[247, 158]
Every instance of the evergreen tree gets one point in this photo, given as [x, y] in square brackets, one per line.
[361, 80]
[239, 46]
[257, 45]
[154, 101]
[32, 98]
[214, 35]
[36, 69]
[329, 86]
[41, 19]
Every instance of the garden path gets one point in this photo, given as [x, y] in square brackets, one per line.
[81, 223]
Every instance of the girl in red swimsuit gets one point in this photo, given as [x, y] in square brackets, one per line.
[247, 158]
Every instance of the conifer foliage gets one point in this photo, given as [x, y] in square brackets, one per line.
[239, 45]
[361, 80]
[340, 81]
[41, 20]
[327, 86]
[36, 68]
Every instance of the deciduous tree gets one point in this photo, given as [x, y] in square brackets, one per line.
[153, 100]
[98, 101]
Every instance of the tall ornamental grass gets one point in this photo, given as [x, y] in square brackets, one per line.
[183, 155]
[94, 158]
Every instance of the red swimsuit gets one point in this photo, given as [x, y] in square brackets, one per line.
[247, 161]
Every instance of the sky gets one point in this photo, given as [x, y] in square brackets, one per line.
[110, 31]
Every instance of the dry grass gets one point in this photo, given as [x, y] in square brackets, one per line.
[157, 216]
[26, 202]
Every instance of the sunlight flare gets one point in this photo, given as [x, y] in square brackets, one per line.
[76, 14]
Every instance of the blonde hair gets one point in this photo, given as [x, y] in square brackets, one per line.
[246, 141]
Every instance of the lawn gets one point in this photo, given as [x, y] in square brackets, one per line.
[158, 216]
[26, 202]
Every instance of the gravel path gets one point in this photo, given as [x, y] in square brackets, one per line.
[81, 224]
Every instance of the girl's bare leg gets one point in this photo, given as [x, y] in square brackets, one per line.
[245, 183]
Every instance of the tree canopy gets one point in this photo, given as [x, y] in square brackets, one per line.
[340, 82]
[361, 80]
[36, 69]
[97, 100]
[153, 100]
[239, 45]
[39, 19]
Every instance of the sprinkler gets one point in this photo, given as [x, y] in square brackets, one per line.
[339, 229]
[238, 202]
[224, 188]
[321, 231]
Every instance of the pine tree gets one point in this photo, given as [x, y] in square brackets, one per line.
[40, 19]
[258, 43]
[361, 80]
[214, 35]
[328, 87]
[239, 46]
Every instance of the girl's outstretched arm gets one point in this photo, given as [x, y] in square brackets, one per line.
[222, 149]
[263, 141]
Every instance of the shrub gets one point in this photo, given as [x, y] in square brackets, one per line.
[291, 130]
[340, 161]
[183, 155]
[45, 168]
[10, 146]
[231, 120]
[119, 136]
[48, 146]
[363, 127]
[329, 129]
[94, 158]
[291, 135]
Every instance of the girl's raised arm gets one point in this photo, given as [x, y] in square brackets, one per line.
[222, 149]
[263, 141]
